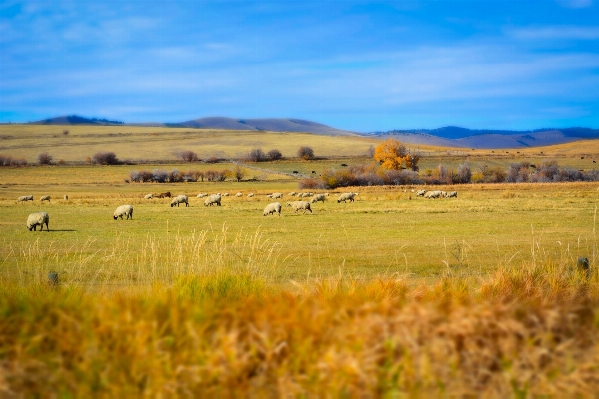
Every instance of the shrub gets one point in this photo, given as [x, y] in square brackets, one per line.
[62, 162]
[188, 156]
[464, 174]
[174, 176]
[7, 160]
[311, 183]
[401, 177]
[274, 155]
[44, 158]
[306, 153]
[159, 176]
[65, 132]
[238, 173]
[211, 160]
[370, 152]
[105, 158]
[256, 155]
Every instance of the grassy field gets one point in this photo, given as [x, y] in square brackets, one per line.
[145, 143]
[392, 295]
[385, 231]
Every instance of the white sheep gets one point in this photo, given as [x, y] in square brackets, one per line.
[250, 195]
[291, 194]
[38, 219]
[273, 207]
[225, 194]
[433, 194]
[451, 194]
[297, 205]
[66, 197]
[276, 195]
[318, 197]
[148, 196]
[45, 198]
[420, 193]
[123, 210]
[24, 198]
[212, 199]
[238, 194]
[202, 195]
[180, 199]
[346, 196]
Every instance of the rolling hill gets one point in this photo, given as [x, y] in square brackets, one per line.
[452, 136]
[448, 136]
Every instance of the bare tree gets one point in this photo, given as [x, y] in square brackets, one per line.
[44, 158]
[256, 155]
[306, 153]
[274, 155]
[188, 156]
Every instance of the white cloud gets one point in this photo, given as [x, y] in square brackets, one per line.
[555, 33]
[575, 3]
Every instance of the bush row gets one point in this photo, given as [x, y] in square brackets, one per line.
[367, 175]
[174, 176]
[7, 160]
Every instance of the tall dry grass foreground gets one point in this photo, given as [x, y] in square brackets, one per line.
[531, 330]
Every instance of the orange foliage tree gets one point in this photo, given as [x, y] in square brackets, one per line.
[392, 154]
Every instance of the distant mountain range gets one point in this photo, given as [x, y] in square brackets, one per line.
[449, 136]
[266, 124]
[452, 136]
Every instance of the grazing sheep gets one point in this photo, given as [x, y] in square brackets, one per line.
[451, 194]
[433, 194]
[202, 195]
[238, 194]
[297, 205]
[225, 194]
[274, 207]
[24, 198]
[420, 193]
[276, 195]
[346, 196]
[66, 197]
[180, 199]
[38, 219]
[165, 195]
[318, 197]
[305, 195]
[123, 210]
[45, 198]
[148, 196]
[291, 194]
[250, 195]
[211, 200]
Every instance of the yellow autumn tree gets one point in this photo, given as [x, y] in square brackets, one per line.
[392, 154]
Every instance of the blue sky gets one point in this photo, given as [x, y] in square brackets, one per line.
[360, 66]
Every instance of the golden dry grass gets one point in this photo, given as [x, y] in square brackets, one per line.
[148, 143]
[522, 332]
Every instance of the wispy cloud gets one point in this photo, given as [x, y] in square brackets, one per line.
[555, 33]
[575, 3]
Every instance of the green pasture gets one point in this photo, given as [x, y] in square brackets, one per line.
[386, 231]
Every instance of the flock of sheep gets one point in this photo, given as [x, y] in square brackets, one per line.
[436, 194]
[126, 211]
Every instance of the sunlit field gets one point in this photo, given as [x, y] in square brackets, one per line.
[391, 295]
